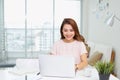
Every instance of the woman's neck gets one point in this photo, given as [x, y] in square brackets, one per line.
[68, 41]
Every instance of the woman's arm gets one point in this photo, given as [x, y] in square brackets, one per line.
[83, 62]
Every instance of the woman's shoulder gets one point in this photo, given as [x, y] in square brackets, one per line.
[58, 42]
[79, 42]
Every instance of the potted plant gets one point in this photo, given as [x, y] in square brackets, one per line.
[104, 69]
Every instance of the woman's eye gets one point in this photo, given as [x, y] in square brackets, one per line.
[71, 30]
[65, 30]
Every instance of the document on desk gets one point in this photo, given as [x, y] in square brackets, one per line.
[54, 78]
[17, 71]
[39, 77]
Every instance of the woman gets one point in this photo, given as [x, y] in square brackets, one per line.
[71, 43]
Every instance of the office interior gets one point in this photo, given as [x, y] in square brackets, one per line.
[30, 27]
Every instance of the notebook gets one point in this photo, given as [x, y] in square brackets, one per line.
[57, 66]
[25, 66]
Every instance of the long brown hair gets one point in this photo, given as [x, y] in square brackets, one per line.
[75, 28]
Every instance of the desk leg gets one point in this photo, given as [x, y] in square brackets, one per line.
[25, 77]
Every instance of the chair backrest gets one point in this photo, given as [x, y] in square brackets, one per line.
[107, 51]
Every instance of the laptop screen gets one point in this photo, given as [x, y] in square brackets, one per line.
[57, 66]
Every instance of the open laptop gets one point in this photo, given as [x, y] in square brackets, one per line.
[57, 66]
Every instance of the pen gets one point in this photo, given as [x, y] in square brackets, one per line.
[38, 73]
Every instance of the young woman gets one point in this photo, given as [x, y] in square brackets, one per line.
[71, 43]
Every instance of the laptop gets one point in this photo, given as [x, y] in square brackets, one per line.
[57, 66]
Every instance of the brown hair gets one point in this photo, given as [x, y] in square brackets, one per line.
[75, 28]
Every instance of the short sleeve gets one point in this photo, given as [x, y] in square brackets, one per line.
[83, 48]
[54, 49]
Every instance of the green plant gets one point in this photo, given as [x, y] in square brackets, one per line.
[104, 67]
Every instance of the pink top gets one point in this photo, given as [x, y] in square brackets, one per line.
[75, 49]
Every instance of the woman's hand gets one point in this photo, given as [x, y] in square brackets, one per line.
[83, 62]
[76, 67]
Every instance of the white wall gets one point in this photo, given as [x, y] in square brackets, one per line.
[99, 32]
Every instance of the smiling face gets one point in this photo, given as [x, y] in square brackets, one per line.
[68, 33]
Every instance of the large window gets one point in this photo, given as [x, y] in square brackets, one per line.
[32, 26]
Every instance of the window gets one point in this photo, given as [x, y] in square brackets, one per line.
[32, 26]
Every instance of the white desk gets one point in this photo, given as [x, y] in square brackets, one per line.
[81, 75]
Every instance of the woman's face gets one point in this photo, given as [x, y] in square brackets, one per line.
[68, 32]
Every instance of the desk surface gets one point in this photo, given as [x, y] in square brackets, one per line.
[80, 75]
